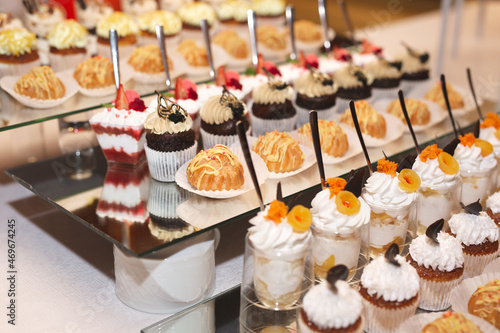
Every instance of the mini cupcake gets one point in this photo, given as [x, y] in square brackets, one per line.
[126, 30]
[390, 290]
[219, 115]
[89, 12]
[232, 14]
[8, 21]
[136, 8]
[148, 65]
[170, 139]
[68, 44]
[332, 306]
[439, 260]
[353, 83]
[18, 52]
[493, 207]
[269, 12]
[272, 107]
[41, 16]
[192, 14]
[386, 78]
[415, 69]
[478, 234]
[171, 22]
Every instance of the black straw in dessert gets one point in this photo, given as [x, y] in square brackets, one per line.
[407, 162]
[279, 192]
[240, 129]
[355, 182]
[477, 129]
[391, 254]
[450, 147]
[434, 229]
[447, 101]
[408, 122]
[474, 208]
[229, 100]
[360, 135]
[313, 121]
[168, 109]
[471, 85]
[336, 273]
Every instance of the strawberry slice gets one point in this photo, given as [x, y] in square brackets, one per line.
[370, 48]
[180, 91]
[302, 60]
[221, 77]
[233, 80]
[271, 68]
[341, 54]
[121, 101]
[190, 87]
[312, 60]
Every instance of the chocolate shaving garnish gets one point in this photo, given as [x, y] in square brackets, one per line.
[477, 129]
[355, 182]
[273, 82]
[450, 147]
[434, 229]
[229, 100]
[422, 57]
[407, 162]
[391, 254]
[82, 4]
[396, 64]
[474, 208]
[360, 76]
[319, 77]
[168, 109]
[336, 273]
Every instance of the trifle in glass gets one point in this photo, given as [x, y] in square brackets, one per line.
[490, 131]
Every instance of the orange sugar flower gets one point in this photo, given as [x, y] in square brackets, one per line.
[387, 167]
[430, 152]
[277, 211]
[491, 120]
[335, 185]
[467, 140]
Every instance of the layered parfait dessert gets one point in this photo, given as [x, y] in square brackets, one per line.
[392, 197]
[440, 189]
[490, 131]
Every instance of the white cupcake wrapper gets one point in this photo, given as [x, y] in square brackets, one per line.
[210, 140]
[384, 320]
[160, 193]
[474, 265]
[492, 267]
[164, 165]
[262, 126]
[303, 114]
[463, 292]
[60, 62]
[418, 322]
[18, 69]
[435, 295]
[389, 93]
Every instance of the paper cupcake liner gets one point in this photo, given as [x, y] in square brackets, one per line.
[435, 295]
[164, 165]
[303, 114]
[161, 193]
[60, 62]
[409, 86]
[210, 140]
[474, 265]
[262, 126]
[463, 292]
[492, 267]
[418, 322]
[18, 69]
[383, 320]
[389, 93]
[124, 50]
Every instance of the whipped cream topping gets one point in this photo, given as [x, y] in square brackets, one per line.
[159, 125]
[264, 94]
[138, 7]
[307, 85]
[345, 78]
[470, 158]
[44, 18]
[326, 215]
[393, 283]
[470, 229]
[121, 22]
[233, 10]
[119, 118]
[67, 34]
[444, 256]
[493, 202]
[7, 21]
[191, 106]
[171, 23]
[431, 175]
[411, 64]
[213, 112]
[381, 69]
[488, 134]
[268, 7]
[94, 12]
[267, 235]
[192, 13]
[327, 309]
[16, 42]
[383, 191]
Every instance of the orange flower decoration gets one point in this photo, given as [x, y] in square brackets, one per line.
[300, 218]
[335, 185]
[467, 140]
[387, 167]
[277, 211]
[491, 120]
[430, 152]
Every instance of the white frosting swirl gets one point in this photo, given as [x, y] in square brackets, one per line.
[67, 34]
[264, 94]
[472, 229]
[431, 175]
[7, 21]
[121, 22]
[470, 158]
[213, 112]
[445, 256]
[327, 309]
[192, 13]
[326, 215]
[268, 7]
[493, 202]
[233, 10]
[159, 125]
[171, 23]
[345, 78]
[307, 85]
[411, 64]
[381, 69]
[267, 235]
[488, 134]
[393, 283]
[17, 42]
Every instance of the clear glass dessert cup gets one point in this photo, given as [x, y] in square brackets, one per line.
[334, 248]
[274, 283]
[478, 184]
[437, 202]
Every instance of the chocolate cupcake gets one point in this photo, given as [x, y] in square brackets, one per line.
[170, 139]
[353, 84]
[386, 77]
[415, 69]
[219, 115]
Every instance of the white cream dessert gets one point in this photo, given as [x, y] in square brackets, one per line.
[192, 13]
[233, 11]
[138, 7]
[489, 131]
[440, 188]
[478, 168]
[68, 34]
[315, 90]
[268, 8]
[124, 25]
[280, 242]
[392, 197]
[170, 21]
[338, 221]
[353, 83]
[43, 18]
[8, 21]
[94, 11]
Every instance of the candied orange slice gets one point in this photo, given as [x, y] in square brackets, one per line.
[491, 120]
[467, 140]
[300, 218]
[409, 181]
[277, 211]
[497, 135]
[447, 163]
[430, 152]
[347, 203]
[486, 147]
[335, 185]
[387, 167]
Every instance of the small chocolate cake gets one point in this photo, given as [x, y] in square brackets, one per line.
[355, 93]
[315, 103]
[274, 111]
[346, 89]
[226, 128]
[168, 142]
[315, 90]
[386, 83]
[417, 76]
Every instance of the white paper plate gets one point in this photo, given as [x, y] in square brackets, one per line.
[260, 169]
[126, 73]
[492, 267]
[461, 294]
[8, 82]
[220, 58]
[437, 114]
[418, 322]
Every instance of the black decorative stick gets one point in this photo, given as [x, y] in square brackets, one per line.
[313, 121]
[434, 229]
[408, 122]
[279, 192]
[447, 101]
[474, 94]
[360, 135]
[240, 128]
